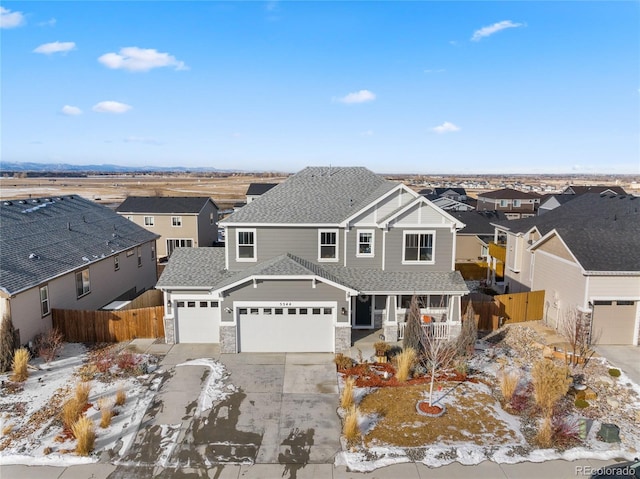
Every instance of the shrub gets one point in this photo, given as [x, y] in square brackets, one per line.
[545, 433]
[381, 348]
[614, 372]
[550, 383]
[82, 392]
[581, 403]
[83, 430]
[48, 345]
[350, 428]
[127, 361]
[71, 411]
[346, 398]
[342, 361]
[520, 402]
[509, 384]
[106, 412]
[121, 397]
[565, 431]
[405, 360]
[7, 341]
[19, 365]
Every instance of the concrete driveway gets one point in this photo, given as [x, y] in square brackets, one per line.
[627, 358]
[283, 411]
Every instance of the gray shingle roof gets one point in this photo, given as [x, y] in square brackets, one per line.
[163, 204]
[259, 188]
[509, 193]
[45, 237]
[315, 195]
[204, 268]
[603, 232]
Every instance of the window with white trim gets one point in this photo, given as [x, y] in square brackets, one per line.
[116, 263]
[365, 243]
[328, 245]
[44, 300]
[149, 221]
[503, 203]
[83, 283]
[417, 247]
[516, 203]
[246, 245]
[176, 221]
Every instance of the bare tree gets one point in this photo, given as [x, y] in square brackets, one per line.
[468, 334]
[413, 331]
[575, 328]
[438, 355]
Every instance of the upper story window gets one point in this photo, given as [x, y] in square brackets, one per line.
[139, 256]
[83, 283]
[516, 203]
[503, 203]
[418, 247]
[328, 245]
[149, 221]
[44, 300]
[365, 243]
[246, 246]
[176, 221]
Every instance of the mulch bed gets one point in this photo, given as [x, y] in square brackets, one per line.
[372, 376]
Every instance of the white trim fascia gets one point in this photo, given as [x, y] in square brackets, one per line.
[224, 224]
[373, 243]
[309, 277]
[418, 201]
[399, 186]
[614, 298]
[453, 252]
[551, 233]
[346, 230]
[412, 292]
[179, 289]
[255, 245]
[612, 273]
[384, 247]
[337, 246]
[433, 247]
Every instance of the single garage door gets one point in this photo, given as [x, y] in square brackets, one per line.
[614, 321]
[286, 329]
[197, 321]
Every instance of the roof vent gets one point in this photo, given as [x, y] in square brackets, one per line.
[22, 202]
[33, 256]
[60, 198]
[7, 203]
[35, 200]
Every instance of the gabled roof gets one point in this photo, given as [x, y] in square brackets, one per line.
[43, 238]
[315, 195]
[441, 191]
[560, 198]
[478, 222]
[598, 189]
[602, 231]
[509, 193]
[257, 189]
[164, 204]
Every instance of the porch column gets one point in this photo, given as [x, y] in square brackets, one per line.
[390, 323]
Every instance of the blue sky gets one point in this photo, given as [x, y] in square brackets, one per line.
[415, 87]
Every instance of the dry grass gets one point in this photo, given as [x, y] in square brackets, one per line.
[545, 433]
[405, 361]
[509, 383]
[106, 412]
[470, 417]
[82, 392]
[346, 398]
[6, 429]
[121, 397]
[19, 365]
[550, 383]
[71, 412]
[84, 431]
[350, 429]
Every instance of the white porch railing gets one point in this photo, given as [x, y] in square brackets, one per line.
[436, 330]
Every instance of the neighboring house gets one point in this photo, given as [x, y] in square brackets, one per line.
[515, 204]
[597, 189]
[584, 255]
[328, 250]
[448, 204]
[256, 190]
[181, 222]
[457, 194]
[70, 253]
[551, 202]
[472, 241]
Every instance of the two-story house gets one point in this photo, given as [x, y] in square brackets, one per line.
[514, 203]
[584, 255]
[181, 222]
[70, 253]
[328, 250]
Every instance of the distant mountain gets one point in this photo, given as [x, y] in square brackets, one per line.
[9, 166]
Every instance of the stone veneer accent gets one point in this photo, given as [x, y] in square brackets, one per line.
[228, 342]
[169, 333]
[343, 339]
[390, 331]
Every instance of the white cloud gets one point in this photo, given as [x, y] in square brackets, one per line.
[71, 110]
[361, 96]
[367, 133]
[140, 60]
[446, 127]
[9, 19]
[491, 29]
[111, 107]
[55, 47]
[49, 23]
[142, 139]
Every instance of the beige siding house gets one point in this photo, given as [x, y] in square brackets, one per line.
[513, 203]
[181, 222]
[70, 253]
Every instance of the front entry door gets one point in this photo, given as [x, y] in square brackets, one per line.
[364, 318]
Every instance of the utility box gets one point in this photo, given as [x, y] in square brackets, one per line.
[609, 433]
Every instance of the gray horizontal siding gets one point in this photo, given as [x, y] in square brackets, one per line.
[353, 261]
[443, 251]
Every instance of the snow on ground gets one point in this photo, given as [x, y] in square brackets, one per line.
[212, 391]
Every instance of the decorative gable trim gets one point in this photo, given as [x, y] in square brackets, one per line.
[311, 277]
[400, 187]
[422, 201]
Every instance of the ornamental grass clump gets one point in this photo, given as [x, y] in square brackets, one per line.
[545, 433]
[550, 383]
[350, 428]
[346, 398]
[84, 431]
[405, 361]
[71, 411]
[19, 365]
[106, 412]
[121, 397]
[82, 392]
[509, 383]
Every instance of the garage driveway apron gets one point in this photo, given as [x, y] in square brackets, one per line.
[283, 412]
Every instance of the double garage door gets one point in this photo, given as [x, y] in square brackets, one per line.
[286, 327]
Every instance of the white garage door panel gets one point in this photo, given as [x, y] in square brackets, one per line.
[286, 333]
[613, 324]
[197, 325]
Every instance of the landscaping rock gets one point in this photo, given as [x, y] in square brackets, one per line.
[613, 403]
[590, 394]
[605, 380]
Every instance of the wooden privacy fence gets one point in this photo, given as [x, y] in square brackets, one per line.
[152, 297]
[80, 326]
[491, 313]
